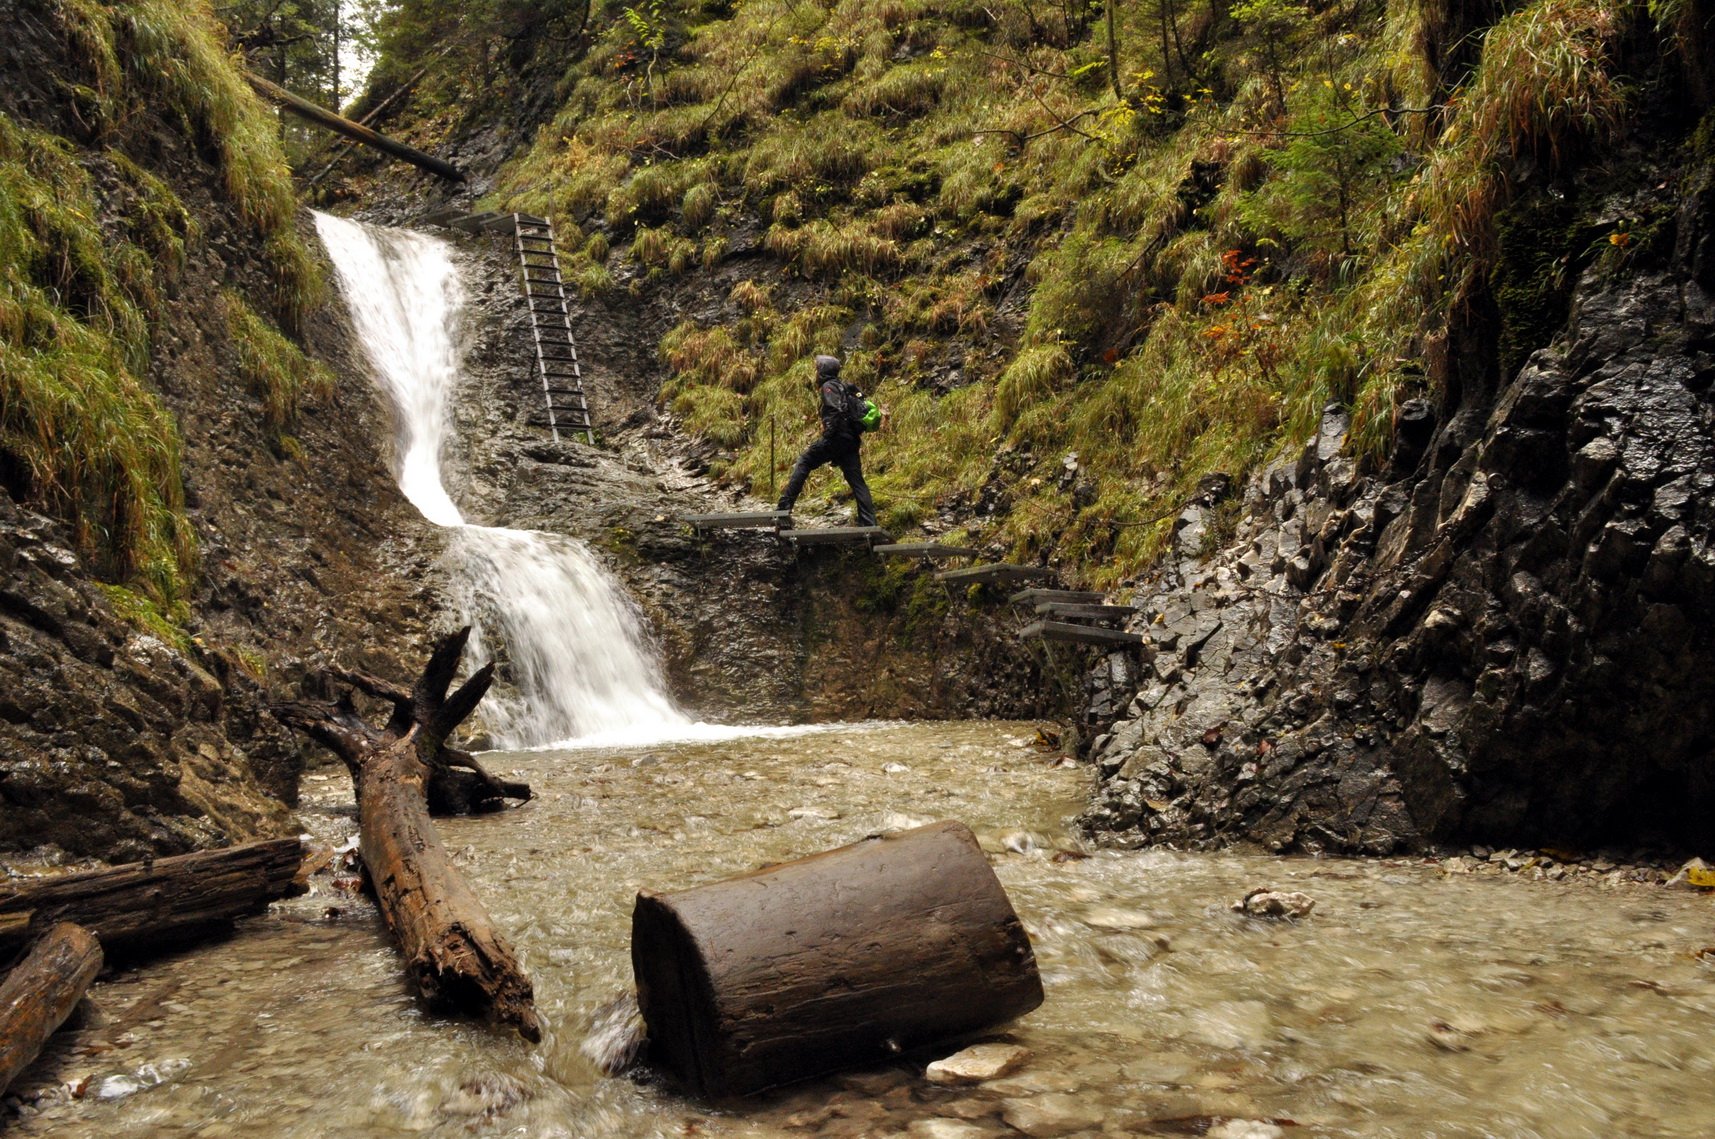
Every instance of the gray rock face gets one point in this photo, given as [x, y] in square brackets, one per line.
[110, 740]
[1511, 640]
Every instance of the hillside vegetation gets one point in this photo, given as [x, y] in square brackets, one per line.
[1086, 254]
[94, 245]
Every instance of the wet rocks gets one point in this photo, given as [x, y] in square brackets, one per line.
[1291, 904]
[977, 1063]
[113, 742]
[1499, 633]
[1052, 1114]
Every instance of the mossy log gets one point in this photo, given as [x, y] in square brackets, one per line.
[41, 992]
[845, 958]
[453, 953]
[159, 902]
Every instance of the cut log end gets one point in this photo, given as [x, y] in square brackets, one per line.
[841, 959]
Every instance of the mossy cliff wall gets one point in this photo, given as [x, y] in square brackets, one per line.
[192, 508]
[1503, 637]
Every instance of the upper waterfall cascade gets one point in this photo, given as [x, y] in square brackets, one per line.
[573, 640]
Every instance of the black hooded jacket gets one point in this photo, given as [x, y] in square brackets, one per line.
[840, 401]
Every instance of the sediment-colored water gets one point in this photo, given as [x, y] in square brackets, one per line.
[1411, 1002]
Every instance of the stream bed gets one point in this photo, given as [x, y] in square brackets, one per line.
[1411, 1002]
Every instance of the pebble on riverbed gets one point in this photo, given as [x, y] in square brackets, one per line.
[977, 1063]
[1266, 903]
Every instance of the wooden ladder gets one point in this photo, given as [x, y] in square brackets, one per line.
[551, 326]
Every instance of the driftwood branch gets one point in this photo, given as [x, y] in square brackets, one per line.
[323, 117]
[157, 902]
[41, 992]
[453, 952]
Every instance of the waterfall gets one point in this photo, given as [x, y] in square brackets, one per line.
[571, 637]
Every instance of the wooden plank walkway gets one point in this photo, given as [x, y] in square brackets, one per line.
[928, 551]
[1080, 634]
[991, 574]
[1075, 596]
[1079, 611]
[754, 520]
[838, 536]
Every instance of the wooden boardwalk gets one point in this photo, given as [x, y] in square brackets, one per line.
[1080, 634]
[999, 572]
[838, 536]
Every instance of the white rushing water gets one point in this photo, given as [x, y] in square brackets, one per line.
[571, 638]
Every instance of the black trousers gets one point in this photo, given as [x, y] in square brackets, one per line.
[843, 453]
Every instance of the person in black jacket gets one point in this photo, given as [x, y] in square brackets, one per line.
[842, 411]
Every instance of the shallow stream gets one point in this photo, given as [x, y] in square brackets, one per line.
[1411, 1002]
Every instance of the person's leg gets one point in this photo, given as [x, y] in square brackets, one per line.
[851, 465]
[814, 456]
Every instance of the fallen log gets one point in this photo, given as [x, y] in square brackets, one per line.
[323, 117]
[453, 953]
[844, 958]
[159, 902]
[41, 992]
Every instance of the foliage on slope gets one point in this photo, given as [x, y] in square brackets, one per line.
[1083, 268]
[93, 246]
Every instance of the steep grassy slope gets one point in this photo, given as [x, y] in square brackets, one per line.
[188, 505]
[1085, 265]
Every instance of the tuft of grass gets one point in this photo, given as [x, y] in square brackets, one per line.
[169, 56]
[272, 366]
[79, 432]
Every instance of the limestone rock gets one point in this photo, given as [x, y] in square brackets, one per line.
[1057, 1113]
[1267, 903]
[977, 1063]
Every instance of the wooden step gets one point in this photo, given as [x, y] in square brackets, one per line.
[1076, 596]
[753, 520]
[473, 223]
[929, 551]
[838, 536]
[992, 574]
[1079, 634]
[1075, 611]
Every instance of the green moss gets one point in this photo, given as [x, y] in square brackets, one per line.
[144, 613]
[79, 433]
[272, 366]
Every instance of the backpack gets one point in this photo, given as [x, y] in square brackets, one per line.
[863, 414]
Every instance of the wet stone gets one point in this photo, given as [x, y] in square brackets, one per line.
[977, 1063]
[1056, 1113]
[945, 1129]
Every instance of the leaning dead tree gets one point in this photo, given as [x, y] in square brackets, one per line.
[453, 952]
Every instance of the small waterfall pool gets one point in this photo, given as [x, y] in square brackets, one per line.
[1412, 1002]
[572, 641]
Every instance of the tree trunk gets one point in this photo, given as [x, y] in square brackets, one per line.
[40, 993]
[453, 953]
[159, 902]
[844, 958]
[323, 117]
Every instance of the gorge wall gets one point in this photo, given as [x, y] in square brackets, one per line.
[1504, 635]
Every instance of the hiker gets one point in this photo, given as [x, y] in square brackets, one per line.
[844, 420]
